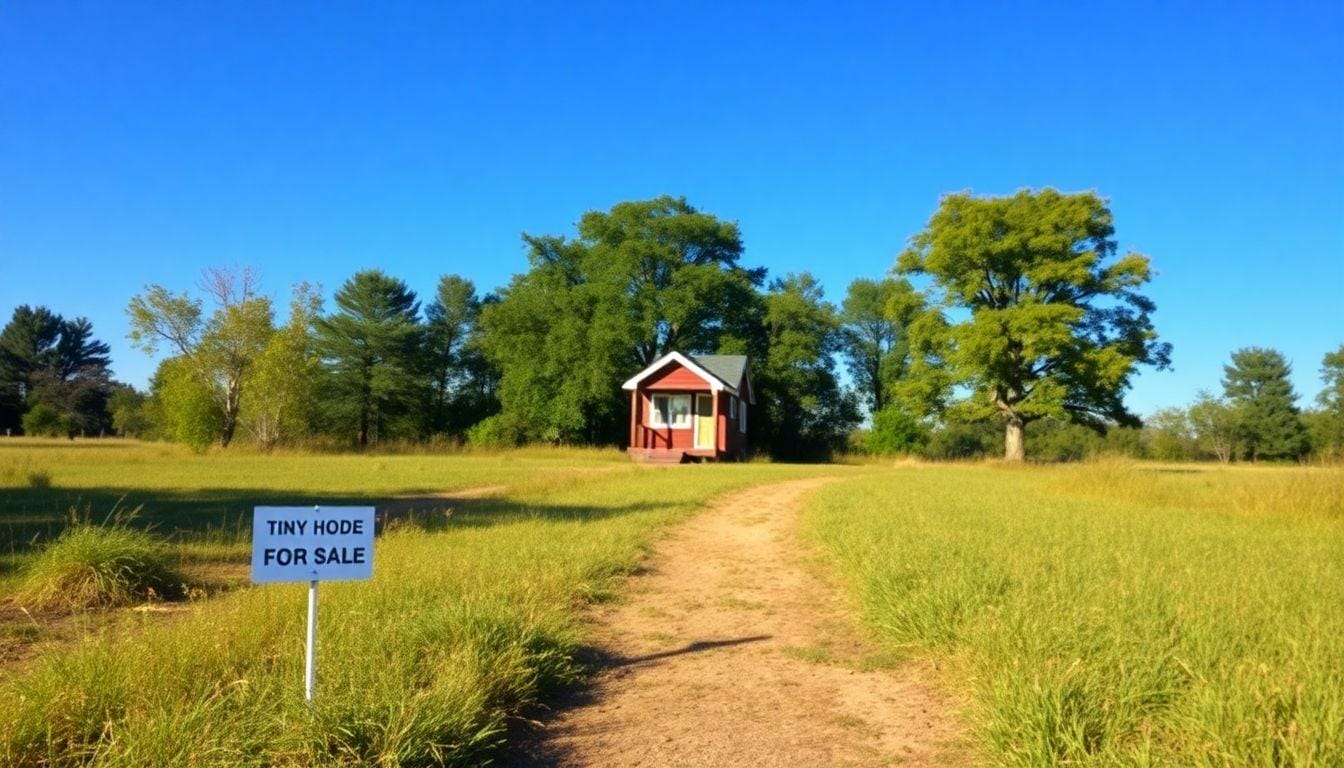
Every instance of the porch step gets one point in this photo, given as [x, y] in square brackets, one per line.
[664, 457]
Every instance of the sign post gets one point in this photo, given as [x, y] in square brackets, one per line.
[311, 544]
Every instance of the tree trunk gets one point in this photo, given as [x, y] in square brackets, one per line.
[1013, 449]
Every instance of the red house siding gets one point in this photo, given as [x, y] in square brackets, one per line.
[677, 379]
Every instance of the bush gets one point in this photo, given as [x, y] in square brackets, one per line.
[45, 421]
[498, 431]
[39, 479]
[895, 431]
[964, 441]
[98, 566]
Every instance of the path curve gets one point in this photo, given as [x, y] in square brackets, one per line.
[732, 651]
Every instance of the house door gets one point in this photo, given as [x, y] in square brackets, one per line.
[704, 421]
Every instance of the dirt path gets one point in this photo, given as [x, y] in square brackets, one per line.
[731, 651]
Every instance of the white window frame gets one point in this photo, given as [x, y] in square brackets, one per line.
[656, 416]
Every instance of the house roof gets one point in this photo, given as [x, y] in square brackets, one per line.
[730, 369]
[725, 372]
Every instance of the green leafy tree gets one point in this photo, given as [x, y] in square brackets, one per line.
[1214, 424]
[47, 359]
[220, 348]
[875, 318]
[184, 406]
[1169, 435]
[130, 411]
[1257, 384]
[370, 348]
[462, 382]
[802, 411]
[44, 421]
[281, 382]
[638, 281]
[1053, 323]
[1327, 422]
[895, 431]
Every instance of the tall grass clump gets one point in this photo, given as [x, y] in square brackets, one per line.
[98, 566]
[1112, 615]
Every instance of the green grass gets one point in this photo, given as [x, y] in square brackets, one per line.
[1112, 614]
[469, 618]
[207, 500]
[98, 566]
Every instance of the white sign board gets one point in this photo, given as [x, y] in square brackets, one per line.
[312, 544]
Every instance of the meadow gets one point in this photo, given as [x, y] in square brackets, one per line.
[1092, 614]
[474, 612]
[1111, 613]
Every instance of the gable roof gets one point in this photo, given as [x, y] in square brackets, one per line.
[724, 372]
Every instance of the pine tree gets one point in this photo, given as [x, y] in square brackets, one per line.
[1257, 385]
[369, 347]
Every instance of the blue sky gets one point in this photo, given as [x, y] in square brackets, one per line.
[142, 142]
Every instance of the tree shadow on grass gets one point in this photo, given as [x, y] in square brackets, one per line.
[31, 516]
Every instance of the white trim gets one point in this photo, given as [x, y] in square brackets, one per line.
[715, 383]
[655, 414]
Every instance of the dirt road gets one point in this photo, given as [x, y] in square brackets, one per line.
[732, 651]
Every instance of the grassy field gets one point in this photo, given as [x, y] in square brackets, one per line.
[469, 618]
[1112, 614]
[1097, 614]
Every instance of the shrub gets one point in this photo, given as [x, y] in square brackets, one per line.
[39, 479]
[895, 431]
[956, 440]
[45, 421]
[98, 566]
[498, 431]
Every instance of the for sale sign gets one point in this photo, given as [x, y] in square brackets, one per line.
[311, 543]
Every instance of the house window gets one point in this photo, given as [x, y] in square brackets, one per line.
[732, 407]
[742, 419]
[672, 411]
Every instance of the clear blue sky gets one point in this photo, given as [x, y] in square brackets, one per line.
[142, 142]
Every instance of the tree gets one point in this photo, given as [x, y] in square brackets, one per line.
[219, 349]
[47, 359]
[1056, 325]
[461, 380]
[1170, 436]
[638, 281]
[895, 431]
[44, 421]
[803, 413]
[369, 347]
[875, 318]
[1257, 384]
[1328, 421]
[280, 383]
[184, 405]
[1214, 425]
[129, 409]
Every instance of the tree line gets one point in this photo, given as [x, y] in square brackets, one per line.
[1025, 316]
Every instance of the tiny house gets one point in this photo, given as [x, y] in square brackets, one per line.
[689, 408]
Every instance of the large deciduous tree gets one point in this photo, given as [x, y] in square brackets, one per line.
[1035, 314]
[48, 360]
[1257, 384]
[875, 320]
[370, 347]
[802, 411]
[219, 349]
[639, 280]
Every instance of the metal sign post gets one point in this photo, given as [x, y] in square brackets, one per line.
[311, 544]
